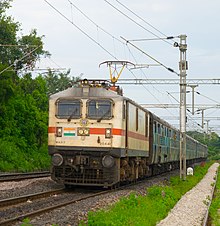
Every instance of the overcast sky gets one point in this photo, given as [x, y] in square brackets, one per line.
[83, 51]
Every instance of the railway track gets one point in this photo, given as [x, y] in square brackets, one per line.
[14, 210]
[23, 176]
[35, 204]
[5, 203]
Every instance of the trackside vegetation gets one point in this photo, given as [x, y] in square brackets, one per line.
[24, 97]
[214, 210]
[148, 210]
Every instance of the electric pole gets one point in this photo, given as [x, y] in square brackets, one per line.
[183, 67]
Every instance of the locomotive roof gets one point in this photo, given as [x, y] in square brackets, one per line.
[86, 92]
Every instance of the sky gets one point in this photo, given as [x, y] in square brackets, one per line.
[82, 34]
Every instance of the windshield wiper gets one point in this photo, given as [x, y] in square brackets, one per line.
[70, 117]
[106, 113]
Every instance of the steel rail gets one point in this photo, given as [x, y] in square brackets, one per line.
[22, 176]
[11, 221]
[25, 198]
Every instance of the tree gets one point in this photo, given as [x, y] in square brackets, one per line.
[4, 4]
[57, 81]
[23, 100]
[31, 46]
[18, 52]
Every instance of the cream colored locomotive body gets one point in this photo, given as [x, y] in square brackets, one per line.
[98, 137]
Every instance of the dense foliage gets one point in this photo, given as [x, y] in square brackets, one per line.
[23, 99]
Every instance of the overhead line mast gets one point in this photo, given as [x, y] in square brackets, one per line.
[183, 67]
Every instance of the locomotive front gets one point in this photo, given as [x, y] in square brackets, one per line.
[85, 135]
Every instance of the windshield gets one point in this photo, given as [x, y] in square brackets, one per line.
[68, 108]
[100, 109]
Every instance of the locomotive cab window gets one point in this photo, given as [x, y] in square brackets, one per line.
[68, 108]
[99, 109]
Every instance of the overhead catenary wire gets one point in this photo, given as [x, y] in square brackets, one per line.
[148, 55]
[163, 106]
[134, 20]
[145, 86]
[140, 18]
[77, 8]
[98, 27]
[81, 30]
[73, 5]
[171, 70]
[208, 97]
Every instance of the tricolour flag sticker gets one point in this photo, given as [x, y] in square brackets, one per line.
[69, 132]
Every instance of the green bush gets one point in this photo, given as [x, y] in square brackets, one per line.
[12, 158]
[215, 206]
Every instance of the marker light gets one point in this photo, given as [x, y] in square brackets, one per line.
[108, 133]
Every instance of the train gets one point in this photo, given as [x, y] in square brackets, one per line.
[98, 137]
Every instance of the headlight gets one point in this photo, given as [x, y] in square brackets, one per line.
[108, 133]
[59, 131]
[57, 159]
[80, 131]
[83, 131]
[86, 132]
[108, 161]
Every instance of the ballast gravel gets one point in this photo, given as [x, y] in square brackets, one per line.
[28, 186]
[191, 209]
[72, 214]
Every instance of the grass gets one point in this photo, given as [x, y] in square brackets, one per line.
[214, 210]
[146, 210]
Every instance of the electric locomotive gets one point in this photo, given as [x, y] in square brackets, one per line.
[98, 137]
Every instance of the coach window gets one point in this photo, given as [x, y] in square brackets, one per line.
[68, 108]
[159, 128]
[162, 130]
[99, 109]
[169, 133]
[155, 127]
[165, 131]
